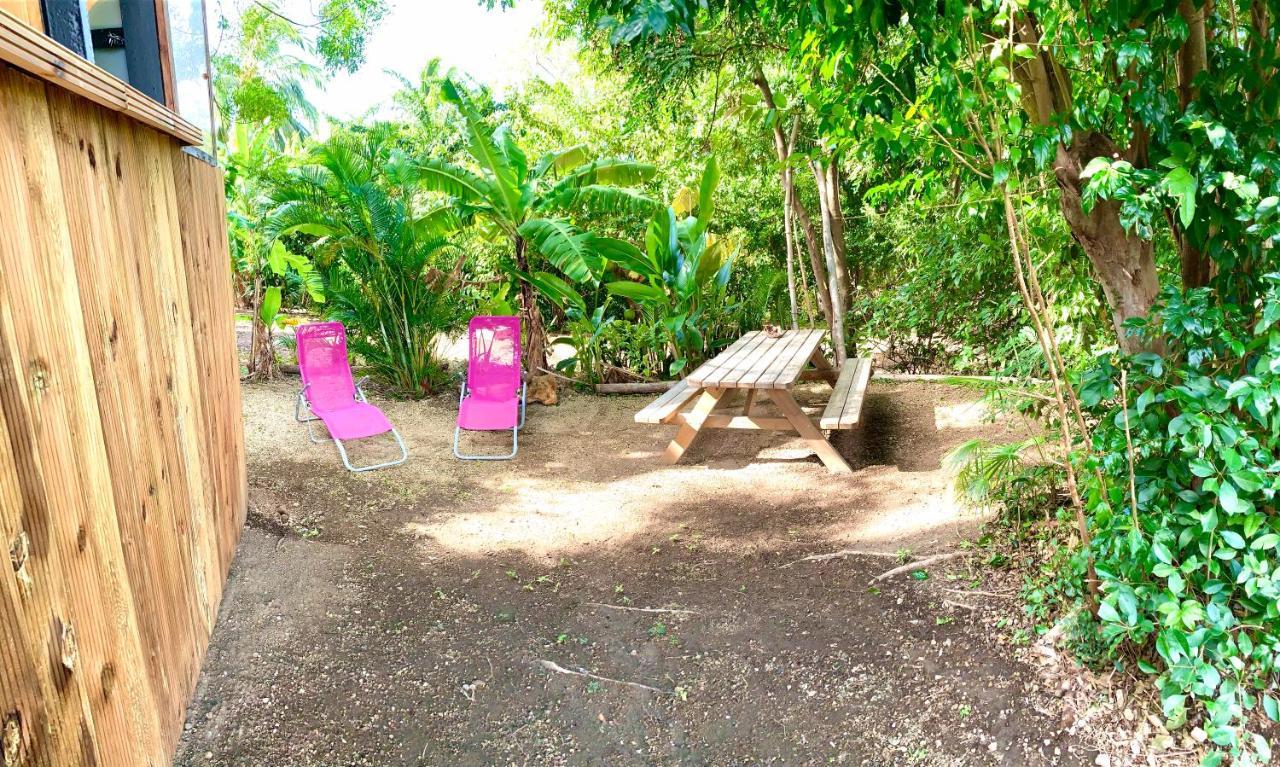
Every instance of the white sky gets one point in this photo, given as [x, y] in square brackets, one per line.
[499, 48]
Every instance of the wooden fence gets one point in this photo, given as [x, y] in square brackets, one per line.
[122, 480]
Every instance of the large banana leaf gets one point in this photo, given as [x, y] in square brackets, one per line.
[661, 241]
[555, 289]
[561, 160]
[454, 180]
[485, 151]
[566, 246]
[627, 256]
[706, 196]
[606, 171]
[599, 198]
[636, 291]
[437, 223]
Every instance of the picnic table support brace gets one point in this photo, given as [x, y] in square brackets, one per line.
[811, 434]
[688, 431]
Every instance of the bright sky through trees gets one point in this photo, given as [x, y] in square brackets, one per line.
[498, 48]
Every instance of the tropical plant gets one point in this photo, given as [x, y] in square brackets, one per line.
[392, 277]
[532, 206]
[683, 272]
[259, 258]
[1184, 504]
[262, 78]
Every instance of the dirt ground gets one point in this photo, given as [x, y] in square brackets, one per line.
[427, 614]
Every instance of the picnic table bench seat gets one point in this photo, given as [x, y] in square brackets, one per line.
[665, 406]
[845, 405]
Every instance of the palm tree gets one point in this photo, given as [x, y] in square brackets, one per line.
[529, 205]
[380, 252]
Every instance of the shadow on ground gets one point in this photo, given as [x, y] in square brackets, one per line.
[428, 614]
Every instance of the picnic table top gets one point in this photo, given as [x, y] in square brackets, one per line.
[759, 361]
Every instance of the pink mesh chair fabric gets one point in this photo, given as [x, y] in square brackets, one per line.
[329, 391]
[493, 394]
[493, 375]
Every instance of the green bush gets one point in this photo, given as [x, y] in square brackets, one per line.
[1188, 561]
[388, 268]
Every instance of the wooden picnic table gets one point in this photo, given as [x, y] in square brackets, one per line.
[764, 366]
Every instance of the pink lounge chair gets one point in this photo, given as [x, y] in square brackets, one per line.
[332, 397]
[493, 393]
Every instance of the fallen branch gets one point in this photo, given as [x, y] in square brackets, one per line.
[639, 387]
[557, 668]
[564, 378]
[953, 603]
[841, 554]
[641, 609]
[996, 594]
[917, 565]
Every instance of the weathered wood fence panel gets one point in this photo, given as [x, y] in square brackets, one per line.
[122, 480]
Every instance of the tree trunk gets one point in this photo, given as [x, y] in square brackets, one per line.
[535, 352]
[1124, 264]
[837, 230]
[783, 147]
[826, 175]
[814, 247]
[262, 353]
[791, 247]
[834, 288]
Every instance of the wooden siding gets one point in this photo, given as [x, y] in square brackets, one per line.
[122, 480]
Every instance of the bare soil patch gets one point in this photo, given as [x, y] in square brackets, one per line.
[404, 617]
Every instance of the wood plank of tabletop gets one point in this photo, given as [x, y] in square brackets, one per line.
[767, 369]
[727, 363]
[710, 365]
[789, 372]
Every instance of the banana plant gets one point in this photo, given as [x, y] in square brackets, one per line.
[254, 166]
[682, 272]
[533, 205]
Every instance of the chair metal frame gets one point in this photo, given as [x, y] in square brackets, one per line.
[303, 402]
[515, 431]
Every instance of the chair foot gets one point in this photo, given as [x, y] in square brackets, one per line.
[457, 453]
[404, 455]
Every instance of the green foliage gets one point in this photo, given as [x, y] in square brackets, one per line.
[261, 79]
[533, 205]
[938, 288]
[683, 272]
[384, 255]
[1189, 563]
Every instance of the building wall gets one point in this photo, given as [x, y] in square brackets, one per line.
[122, 472]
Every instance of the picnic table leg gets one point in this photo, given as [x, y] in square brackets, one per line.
[685, 436]
[829, 456]
[820, 361]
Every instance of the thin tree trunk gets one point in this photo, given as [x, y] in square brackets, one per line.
[262, 357]
[791, 248]
[814, 246]
[1193, 58]
[535, 353]
[803, 279]
[834, 290]
[827, 176]
[783, 147]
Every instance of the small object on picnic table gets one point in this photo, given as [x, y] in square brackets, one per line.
[772, 331]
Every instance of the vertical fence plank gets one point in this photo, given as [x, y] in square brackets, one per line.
[122, 480]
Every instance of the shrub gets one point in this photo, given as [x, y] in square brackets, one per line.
[385, 260]
[1183, 504]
